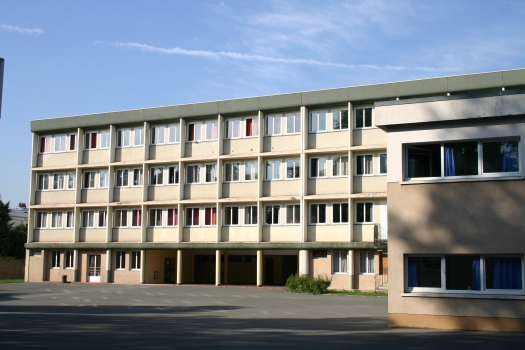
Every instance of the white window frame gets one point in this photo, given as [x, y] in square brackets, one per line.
[273, 223]
[364, 205]
[42, 182]
[196, 169]
[122, 178]
[192, 224]
[317, 207]
[250, 209]
[102, 216]
[211, 216]
[296, 163]
[60, 143]
[232, 128]
[340, 210]
[294, 208]
[343, 171]
[364, 270]
[214, 175]
[120, 260]
[228, 168]
[56, 219]
[59, 180]
[253, 168]
[176, 174]
[229, 210]
[342, 262]
[364, 126]
[296, 123]
[133, 215]
[103, 178]
[140, 181]
[208, 136]
[154, 215]
[273, 121]
[272, 163]
[255, 125]
[174, 133]
[138, 133]
[92, 179]
[41, 220]
[88, 140]
[135, 260]
[316, 115]
[340, 111]
[121, 138]
[158, 135]
[105, 138]
[88, 219]
[55, 259]
[379, 163]
[175, 211]
[156, 179]
[47, 144]
[318, 162]
[121, 218]
[197, 132]
[361, 158]
[71, 180]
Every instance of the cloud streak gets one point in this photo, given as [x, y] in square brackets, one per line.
[22, 30]
[258, 58]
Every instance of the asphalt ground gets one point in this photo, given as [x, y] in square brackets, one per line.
[102, 316]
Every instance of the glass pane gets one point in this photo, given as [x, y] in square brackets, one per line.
[503, 273]
[336, 120]
[289, 214]
[344, 212]
[235, 167]
[344, 165]
[343, 262]
[368, 213]
[424, 161]
[297, 214]
[369, 170]
[322, 121]
[247, 215]
[313, 167]
[298, 122]
[368, 117]
[336, 162]
[382, 163]
[322, 167]
[359, 118]
[337, 212]
[461, 158]
[276, 210]
[290, 124]
[277, 125]
[322, 213]
[344, 119]
[268, 215]
[247, 171]
[313, 213]
[276, 169]
[254, 215]
[360, 212]
[314, 120]
[268, 170]
[500, 156]
[228, 215]
[424, 272]
[289, 169]
[235, 216]
[463, 272]
[336, 261]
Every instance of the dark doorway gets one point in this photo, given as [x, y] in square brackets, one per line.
[268, 271]
[289, 266]
[204, 269]
[169, 270]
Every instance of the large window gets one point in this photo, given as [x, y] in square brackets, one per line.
[58, 181]
[339, 262]
[250, 215]
[318, 167]
[174, 133]
[382, 164]
[193, 174]
[123, 137]
[43, 182]
[339, 165]
[194, 132]
[233, 128]
[89, 179]
[212, 130]
[138, 137]
[173, 217]
[90, 140]
[137, 177]
[231, 216]
[56, 219]
[155, 217]
[192, 216]
[41, 220]
[293, 214]
[273, 125]
[252, 126]
[469, 158]
[157, 135]
[317, 214]
[88, 218]
[55, 259]
[464, 273]
[364, 164]
[366, 264]
[340, 213]
[273, 169]
[210, 216]
[339, 119]
[293, 123]
[231, 172]
[293, 169]
[173, 175]
[364, 213]
[272, 214]
[121, 218]
[318, 121]
[136, 217]
[210, 173]
[363, 118]
[251, 171]
[120, 260]
[122, 178]
[60, 143]
[156, 176]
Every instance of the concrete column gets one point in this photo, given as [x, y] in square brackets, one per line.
[217, 267]
[260, 269]
[75, 265]
[179, 266]
[351, 269]
[108, 266]
[26, 272]
[303, 263]
[225, 267]
[142, 266]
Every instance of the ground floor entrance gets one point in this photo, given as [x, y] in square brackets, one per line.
[94, 268]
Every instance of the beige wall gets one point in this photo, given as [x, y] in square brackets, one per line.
[170, 151]
[282, 143]
[94, 195]
[92, 235]
[363, 233]
[241, 146]
[202, 149]
[328, 139]
[36, 268]
[159, 193]
[53, 235]
[56, 159]
[281, 188]
[129, 154]
[365, 137]
[200, 234]
[369, 184]
[55, 197]
[328, 185]
[239, 233]
[155, 262]
[128, 194]
[328, 233]
[285, 233]
[126, 275]
[127, 235]
[162, 234]
[240, 189]
[95, 156]
[201, 191]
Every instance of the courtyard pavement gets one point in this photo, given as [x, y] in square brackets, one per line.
[52, 315]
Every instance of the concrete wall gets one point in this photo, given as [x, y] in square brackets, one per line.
[159, 193]
[200, 234]
[240, 189]
[57, 159]
[281, 188]
[241, 146]
[162, 234]
[98, 156]
[55, 197]
[328, 139]
[170, 151]
[282, 143]
[201, 191]
[239, 233]
[129, 154]
[127, 235]
[286, 233]
[53, 235]
[328, 185]
[128, 194]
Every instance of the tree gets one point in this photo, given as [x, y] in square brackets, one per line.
[12, 239]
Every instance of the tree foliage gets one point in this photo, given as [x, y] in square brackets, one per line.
[12, 238]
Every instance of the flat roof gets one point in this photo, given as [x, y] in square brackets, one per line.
[458, 84]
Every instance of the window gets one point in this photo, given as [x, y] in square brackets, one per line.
[363, 118]
[231, 172]
[468, 158]
[135, 260]
[91, 140]
[70, 259]
[102, 218]
[252, 126]
[317, 214]
[60, 143]
[364, 213]
[366, 264]
[233, 128]
[210, 216]
[136, 218]
[123, 137]
[103, 178]
[73, 142]
[88, 218]
[104, 139]
[339, 119]
[89, 179]
[173, 175]
[70, 219]
[318, 121]
[173, 217]
[340, 213]
[157, 135]
[138, 136]
[293, 214]
[382, 163]
[292, 169]
[43, 182]
[41, 220]
[155, 217]
[231, 216]
[464, 273]
[122, 178]
[251, 171]
[71, 182]
[58, 181]
[273, 125]
[194, 132]
[156, 176]
[211, 173]
[273, 169]
[340, 166]
[318, 167]
[120, 260]
[174, 133]
[137, 177]
[56, 219]
[250, 215]
[272, 214]
[293, 123]
[192, 216]
[364, 165]
[212, 130]
[45, 144]
[55, 259]
[339, 262]
[193, 175]
[121, 218]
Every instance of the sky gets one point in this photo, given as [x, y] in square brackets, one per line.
[67, 58]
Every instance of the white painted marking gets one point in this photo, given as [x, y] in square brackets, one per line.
[206, 295]
[169, 301]
[162, 294]
[187, 302]
[104, 298]
[193, 295]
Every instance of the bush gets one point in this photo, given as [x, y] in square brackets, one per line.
[308, 284]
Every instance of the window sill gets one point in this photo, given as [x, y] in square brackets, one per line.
[465, 296]
[462, 179]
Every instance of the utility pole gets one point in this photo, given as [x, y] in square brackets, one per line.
[1, 82]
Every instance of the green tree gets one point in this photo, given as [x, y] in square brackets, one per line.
[12, 238]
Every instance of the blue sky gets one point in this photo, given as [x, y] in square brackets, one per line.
[79, 57]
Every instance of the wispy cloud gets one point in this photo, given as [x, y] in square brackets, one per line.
[255, 58]
[22, 30]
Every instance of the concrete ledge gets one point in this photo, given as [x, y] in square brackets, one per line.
[494, 324]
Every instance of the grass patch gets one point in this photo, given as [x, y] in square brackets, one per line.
[308, 284]
[16, 280]
[356, 292]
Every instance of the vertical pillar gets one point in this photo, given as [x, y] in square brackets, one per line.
[225, 267]
[108, 266]
[351, 269]
[142, 266]
[303, 263]
[26, 273]
[179, 266]
[75, 265]
[217, 267]
[260, 260]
